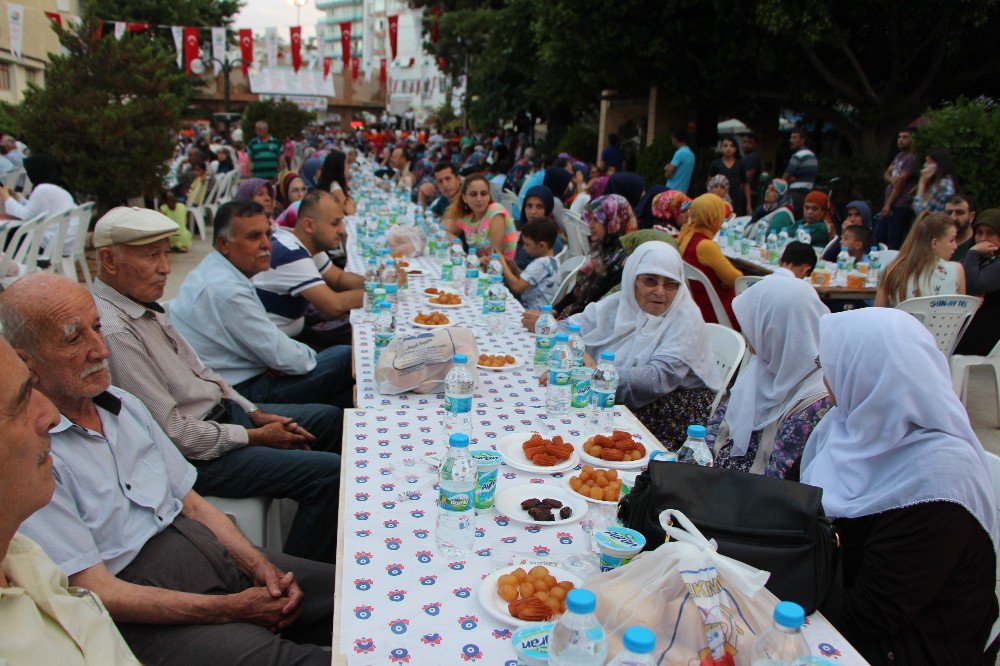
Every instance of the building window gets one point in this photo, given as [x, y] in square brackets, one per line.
[32, 76]
[4, 76]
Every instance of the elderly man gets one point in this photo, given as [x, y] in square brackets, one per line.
[220, 313]
[301, 271]
[240, 449]
[265, 153]
[44, 620]
[174, 572]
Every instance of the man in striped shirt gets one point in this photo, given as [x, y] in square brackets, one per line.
[265, 153]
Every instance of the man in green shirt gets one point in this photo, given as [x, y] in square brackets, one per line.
[264, 152]
[960, 209]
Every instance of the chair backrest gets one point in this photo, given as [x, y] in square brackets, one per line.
[11, 178]
[577, 234]
[54, 250]
[23, 245]
[692, 274]
[496, 191]
[568, 270]
[728, 347]
[559, 213]
[745, 282]
[218, 184]
[886, 257]
[945, 316]
[509, 201]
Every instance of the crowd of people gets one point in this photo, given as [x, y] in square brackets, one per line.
[236, 387]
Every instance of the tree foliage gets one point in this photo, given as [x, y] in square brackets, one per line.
[106, 114]
[283, 118]
[167, 12]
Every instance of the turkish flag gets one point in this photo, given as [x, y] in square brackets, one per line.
[393, 34]
[326, 66]
[355, 66]
[190, 47]
[434, 31]
[137, 27]
[296, 36]
[54, 17]
[441, 63]
[382, 71]
[345, 43]
[246, 49]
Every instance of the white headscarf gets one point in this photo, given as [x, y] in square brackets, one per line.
[622, 327]
[899, 435]
[780, 319]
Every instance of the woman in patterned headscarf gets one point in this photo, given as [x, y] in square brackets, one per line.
[670, 210]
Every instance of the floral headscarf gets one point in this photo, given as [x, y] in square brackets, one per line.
[596, 187]
[668, 205]
[717, 180]
[613, 212]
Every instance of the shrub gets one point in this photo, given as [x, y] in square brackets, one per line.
[654, 157]
[283, 118]
[853, 178]
[579, 141]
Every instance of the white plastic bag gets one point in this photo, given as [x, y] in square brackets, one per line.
[408, 241]
[419, 362]
[706, 609]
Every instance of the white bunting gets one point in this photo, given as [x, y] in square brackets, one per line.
[218, 48]
[178, 32]
[15, 29]
[271, 41]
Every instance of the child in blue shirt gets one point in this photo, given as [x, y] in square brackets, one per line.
[536, 285]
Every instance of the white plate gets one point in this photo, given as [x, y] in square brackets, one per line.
[496, 607]
[508, 503]
[565, 481]
[440, 291]
[450, 323]
[446, 306]
[518, 362]
[510, 448]
[611, 464]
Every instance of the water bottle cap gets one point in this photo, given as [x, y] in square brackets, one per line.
[371, 262]
[639, 640]
[562, 337]
[581, 601]
[607, 356]
[385, 305]
[456, 241]
[697, 431]
[461, 359]
[495, 255]
[574, 328]
[384, 250]
[874, 248]
[789, 614]
[391, 262]
[546, 308]
[461, 440]
[497, 278]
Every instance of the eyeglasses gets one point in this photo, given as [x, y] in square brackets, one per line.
[653, 281]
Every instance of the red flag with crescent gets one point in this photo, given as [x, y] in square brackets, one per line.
[382, 70]
[137, 27]
[246, 49]
[296, 36]
[355, 66]
[345, 43]
[393, 34]
[54, 17]
[190, 47]
[327, 61]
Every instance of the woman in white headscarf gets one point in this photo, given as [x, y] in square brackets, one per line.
[779, 397]
[667, 372]
[907, 482]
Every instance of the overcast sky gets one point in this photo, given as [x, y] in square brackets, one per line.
[260, 14]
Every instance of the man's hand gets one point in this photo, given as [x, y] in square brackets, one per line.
[257, 606]
[279, 585]
[529, 319]
[261, 418]
[280, 436]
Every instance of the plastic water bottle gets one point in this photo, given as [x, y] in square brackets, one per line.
[378, 297]
[458, 386]
[782, 643]
[456, 256]
[639, 643]
[603, 389]
[390, 282]
[695, 450]
[494, 267]
[372, 282]
[471, 273]
[495, 305]
[371, 232]
[545, 336]
[559, 391]
[576, 345]
[874, 266]
[456, 520]
[772, 248]
[761, 234]
[578, 639]
[724, 235]
[842, 262]
[385, 328]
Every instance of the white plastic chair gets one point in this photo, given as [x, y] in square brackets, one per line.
[11, 178]
[945, 316]
[886, 257]
[509, 201]
[53, 253]
[22, 248]
[495, 191]
[577, 234]
[218, 195]
[77, 256]
[259, 518]
[960, 364]
[728, 347]
[568, 270]
[559, 213]
[196, 212]
[745, 282]
[692, 274]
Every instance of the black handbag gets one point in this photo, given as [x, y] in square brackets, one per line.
[771, 524]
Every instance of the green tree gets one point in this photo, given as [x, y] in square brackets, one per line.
[106, 114]
[283, 118]
[168, 12]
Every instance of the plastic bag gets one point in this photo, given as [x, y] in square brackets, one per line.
[706, 609]
[408, 241]
[420, 362]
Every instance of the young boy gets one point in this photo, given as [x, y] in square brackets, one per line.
[537, 284]
[799, 259]
[856, 240]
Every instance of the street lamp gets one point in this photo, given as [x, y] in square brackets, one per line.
[198, 66]
[299, 4]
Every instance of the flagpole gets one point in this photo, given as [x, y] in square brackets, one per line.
[298, 9]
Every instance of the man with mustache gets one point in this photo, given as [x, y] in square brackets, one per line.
[241, 449]
[173, 571]
[43, 620]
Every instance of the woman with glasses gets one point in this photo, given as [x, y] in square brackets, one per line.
[668, 375]
[705, 217]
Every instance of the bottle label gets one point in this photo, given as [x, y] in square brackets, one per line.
[456, 261]
[455, 500]
[376, 300]
[602, 399]
[484, 280]
[543, 345]
[391, 289]
[370, 287]
[382, 341]
[471, 273]
[457, 404]
[559, 377]
[496, 307]
[446, 272]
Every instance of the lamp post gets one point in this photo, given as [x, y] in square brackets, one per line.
[299, 4]
[198, 66]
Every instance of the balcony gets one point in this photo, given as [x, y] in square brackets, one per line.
[326, 5]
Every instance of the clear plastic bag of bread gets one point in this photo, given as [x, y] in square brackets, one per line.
[406, 241]
[420, 361]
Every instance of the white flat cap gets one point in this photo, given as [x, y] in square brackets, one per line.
[132, 226]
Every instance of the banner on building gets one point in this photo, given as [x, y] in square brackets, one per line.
[271, 43]
[295, 33]
[382, 70]
[190, 47]
[345, 43]
[393, 34]
[15, 29]
[218, 48]
[327, 61]
[178, 33]
[355, 67]
[246, 49]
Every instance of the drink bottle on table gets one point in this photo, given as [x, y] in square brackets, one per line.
[578, 639]
[378, 296]
[576, 344]
[372, 282]
[494, 267]
[558, 392]
[385, 328]
[545, 336]
[874, 266]
[471, 273]
[695, 450]
[458, 387]
[603, 389]
[456, 518]
[639, 643]
[455, 258]
[495, 305]
[782, 644]
[390, 282]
